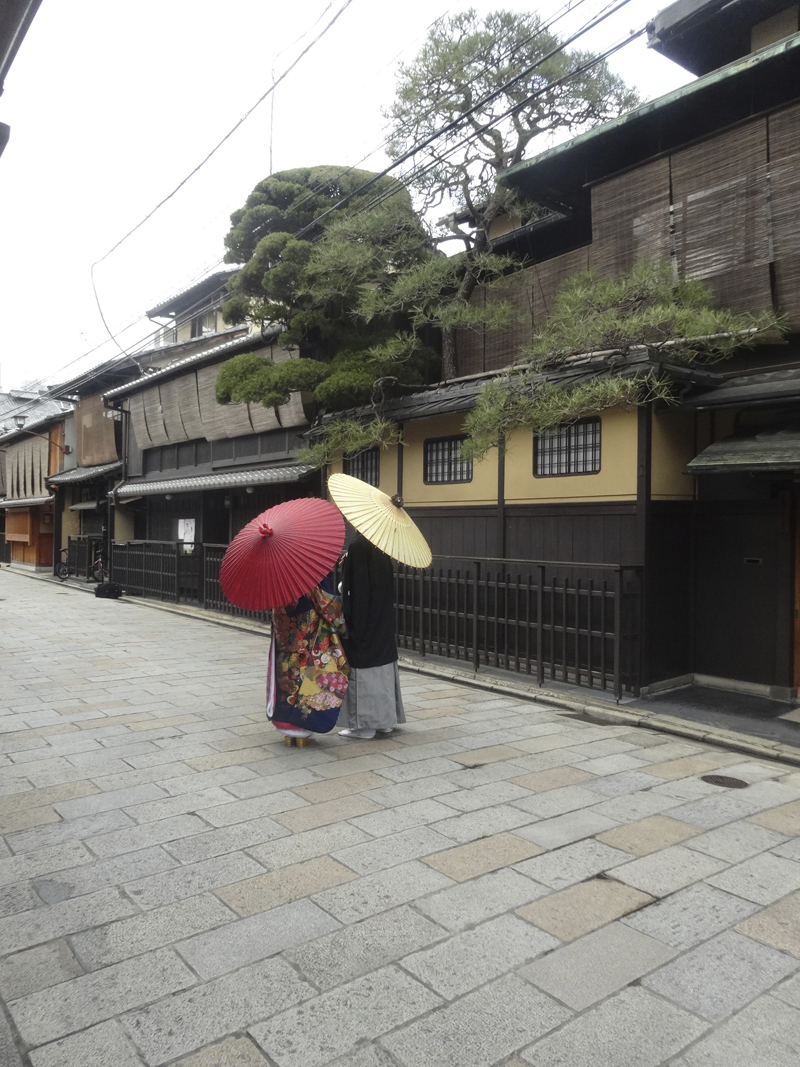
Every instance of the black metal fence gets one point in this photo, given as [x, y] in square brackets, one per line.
[82, 551]
[5, 549]
[576, 623]
[176, 572]
[561, 622]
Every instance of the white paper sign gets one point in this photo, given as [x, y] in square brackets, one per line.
[186, 530]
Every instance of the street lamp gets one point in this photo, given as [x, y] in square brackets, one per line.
[19, 422]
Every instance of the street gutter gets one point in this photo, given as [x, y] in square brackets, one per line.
[587, 708]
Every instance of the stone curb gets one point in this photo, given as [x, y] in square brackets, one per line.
[232, 622]
[589, 709]
[616, 716]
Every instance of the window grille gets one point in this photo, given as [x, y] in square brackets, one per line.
[443, 462]
[572, 449]
[364, 465]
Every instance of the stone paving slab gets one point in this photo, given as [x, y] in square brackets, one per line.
[498, 883]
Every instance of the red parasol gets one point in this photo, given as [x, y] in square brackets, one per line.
[282, 554]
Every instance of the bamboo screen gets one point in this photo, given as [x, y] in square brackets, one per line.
[720, 204]
[548, 278]
[469, 342]
[630, 220]
[95, 439]
[186, 409]
[27, 468]
[504, 345]
[784, 156]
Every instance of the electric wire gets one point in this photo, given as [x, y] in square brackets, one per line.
[454, 123]
[415, 149]
[568, 8]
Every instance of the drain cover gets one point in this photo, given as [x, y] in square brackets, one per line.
[723, 780]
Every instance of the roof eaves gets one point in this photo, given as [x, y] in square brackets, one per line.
[208, 285]
[228, 347]
[751, 61]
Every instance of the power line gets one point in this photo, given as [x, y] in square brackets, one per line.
[454, 123]
[205, 160]
[449, 127]
[228, 135]
[569, 8]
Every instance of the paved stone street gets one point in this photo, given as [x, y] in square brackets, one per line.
[498, 883]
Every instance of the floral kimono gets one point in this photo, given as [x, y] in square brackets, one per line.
[308, 671]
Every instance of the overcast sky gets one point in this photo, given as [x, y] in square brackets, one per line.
[111, 105]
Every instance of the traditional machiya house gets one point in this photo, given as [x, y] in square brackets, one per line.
[84, 522]
[195, 471]
[34, 444]
[661, 544]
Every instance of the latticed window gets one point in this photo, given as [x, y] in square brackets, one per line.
[364, 465]
[572, 449]
[443, 461]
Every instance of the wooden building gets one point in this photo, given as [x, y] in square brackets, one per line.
[29, 453]
[701, 499]
[195, 471]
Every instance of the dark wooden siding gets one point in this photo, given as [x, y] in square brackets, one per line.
[668, 592]
[569, 533]
[744, 591]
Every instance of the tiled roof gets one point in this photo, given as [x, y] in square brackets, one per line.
[288, 472]
[83, 474]
[776, 386]
[25, 502]
[227, 347]
[770, 450]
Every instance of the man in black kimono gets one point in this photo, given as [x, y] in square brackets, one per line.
[373, 703]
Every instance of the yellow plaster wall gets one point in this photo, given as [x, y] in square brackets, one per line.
[616, 479]
[673, 447]
[70, 520]
[388, 479]
[123, 524]
[481, 490]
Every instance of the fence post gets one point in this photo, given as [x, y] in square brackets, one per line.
[201, 576]
[178, 545]
[422, 613]
[617, 634]
[476, 648]
[540, 628]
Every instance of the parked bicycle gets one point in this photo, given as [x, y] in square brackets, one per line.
[99, 567]
[62, 567]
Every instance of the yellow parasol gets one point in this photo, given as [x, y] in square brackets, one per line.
[381, 519]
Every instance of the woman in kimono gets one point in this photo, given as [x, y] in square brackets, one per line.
[307, 676]
[373, 703]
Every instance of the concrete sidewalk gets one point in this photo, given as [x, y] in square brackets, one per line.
[498, 883]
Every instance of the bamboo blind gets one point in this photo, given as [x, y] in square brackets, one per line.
[212, 413]
[784, 166]
[720, 206]
[139, 421]
[503, 346]
[188, 403]
[548, 278]
[27, 467]
[469, 342]
[95, 438]
[630, 220]
[169, 401]
[155, 416]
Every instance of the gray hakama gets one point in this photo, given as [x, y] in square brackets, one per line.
[373, 700]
